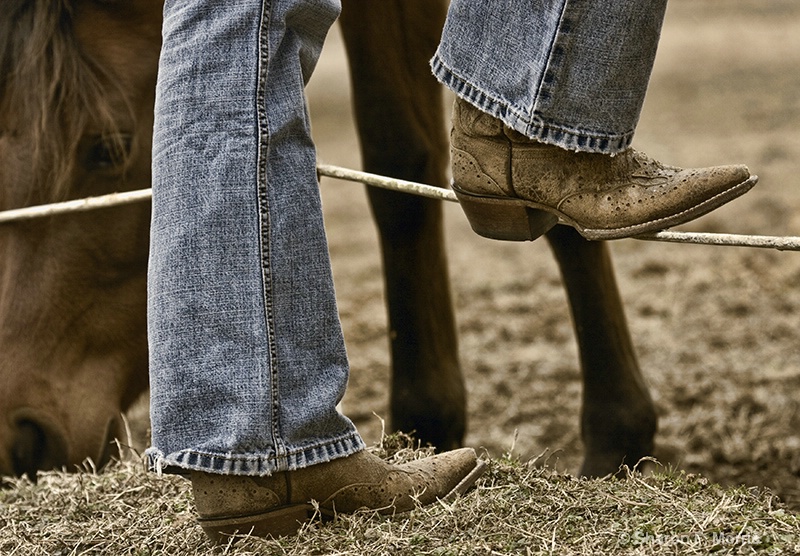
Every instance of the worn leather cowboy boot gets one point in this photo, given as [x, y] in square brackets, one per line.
[514, 188]
[281, 503]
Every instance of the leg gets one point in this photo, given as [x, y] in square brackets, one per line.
[401, 127]
[618, 418]
[247, 355]
[242, 315]
[548, 90]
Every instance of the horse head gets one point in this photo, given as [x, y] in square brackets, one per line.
[76, 105]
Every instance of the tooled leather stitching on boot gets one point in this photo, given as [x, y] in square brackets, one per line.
[469, 175]
[401, 490]
[651, 192]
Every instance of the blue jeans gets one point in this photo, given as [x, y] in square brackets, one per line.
[572, 73]
[247, 358]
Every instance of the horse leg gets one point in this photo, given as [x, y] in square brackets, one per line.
[618, 420]
[399, 117]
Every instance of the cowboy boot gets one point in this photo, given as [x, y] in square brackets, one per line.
[280, 503]
[515, 188]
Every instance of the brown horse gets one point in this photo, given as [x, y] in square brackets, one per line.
[76, 102]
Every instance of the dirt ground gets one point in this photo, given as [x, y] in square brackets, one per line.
[715, 328]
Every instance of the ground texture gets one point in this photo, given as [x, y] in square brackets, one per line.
[716, 329]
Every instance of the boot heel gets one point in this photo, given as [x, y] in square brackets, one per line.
[276, 523]
[505, 219]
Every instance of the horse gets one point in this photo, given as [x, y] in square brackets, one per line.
[76, 116]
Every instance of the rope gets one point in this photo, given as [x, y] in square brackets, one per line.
[781, 243]
[78, 205]
[383, 182]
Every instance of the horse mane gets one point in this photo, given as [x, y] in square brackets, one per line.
[51, 90]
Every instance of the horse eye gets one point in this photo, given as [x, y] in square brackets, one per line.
[108, 152]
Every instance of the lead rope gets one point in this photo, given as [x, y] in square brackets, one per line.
[781, 243]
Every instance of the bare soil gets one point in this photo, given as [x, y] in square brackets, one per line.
[716, 329]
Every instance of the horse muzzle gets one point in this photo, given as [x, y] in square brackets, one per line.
[37, 443]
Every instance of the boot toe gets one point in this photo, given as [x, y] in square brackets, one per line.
[405, 486]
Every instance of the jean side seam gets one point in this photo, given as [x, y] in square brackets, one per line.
[264, 225]
[554, 56]
[549, 80]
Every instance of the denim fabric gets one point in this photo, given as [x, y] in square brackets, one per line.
[572, 73]
[247, 358]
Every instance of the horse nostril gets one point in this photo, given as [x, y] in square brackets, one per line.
[36, 448]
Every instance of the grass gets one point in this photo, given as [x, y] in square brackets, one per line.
[517, 508]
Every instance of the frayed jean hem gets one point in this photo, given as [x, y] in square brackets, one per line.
[540, 129]
[180, 463]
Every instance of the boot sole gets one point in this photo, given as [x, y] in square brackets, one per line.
[515, 219]
[287, 520]
[279, 522]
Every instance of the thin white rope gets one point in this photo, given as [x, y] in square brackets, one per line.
[781, 243]
[383, 182]
[78, 205]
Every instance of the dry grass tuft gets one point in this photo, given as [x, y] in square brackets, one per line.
[517, 508]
